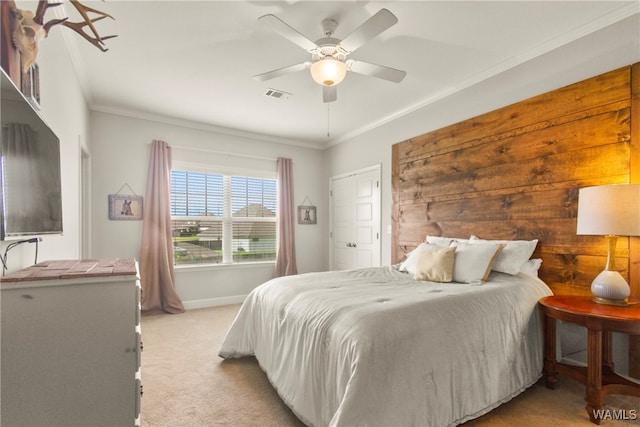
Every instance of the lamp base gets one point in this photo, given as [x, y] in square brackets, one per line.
[609, 287]
[607, 301]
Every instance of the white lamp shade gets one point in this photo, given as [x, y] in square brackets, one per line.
[609, 210]
[328, 71]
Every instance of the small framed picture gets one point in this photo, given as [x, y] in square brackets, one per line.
[307, 215]
[125, 207]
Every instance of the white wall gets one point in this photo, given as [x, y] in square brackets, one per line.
[64, 109]
[120, 154]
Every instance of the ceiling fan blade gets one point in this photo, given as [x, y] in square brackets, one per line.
[282, 71]
[329, 93]
[368, 30]
[379, 71]
[288, 32]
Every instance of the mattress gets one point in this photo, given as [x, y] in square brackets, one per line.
[375, 347]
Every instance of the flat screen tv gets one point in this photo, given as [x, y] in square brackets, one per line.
[31, 197]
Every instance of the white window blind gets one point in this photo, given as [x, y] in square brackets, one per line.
[222, 218]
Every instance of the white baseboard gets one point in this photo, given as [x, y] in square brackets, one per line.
[213, 302]
[572, 361]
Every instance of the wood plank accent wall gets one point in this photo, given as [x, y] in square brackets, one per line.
[514, 173]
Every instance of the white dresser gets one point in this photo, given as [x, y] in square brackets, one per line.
[70, 350]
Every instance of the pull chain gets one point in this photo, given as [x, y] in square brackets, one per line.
[328, 134]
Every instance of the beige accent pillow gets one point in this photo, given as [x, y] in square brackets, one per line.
[435, 265]
[409, 265]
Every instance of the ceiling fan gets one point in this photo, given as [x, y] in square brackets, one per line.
[328, 63]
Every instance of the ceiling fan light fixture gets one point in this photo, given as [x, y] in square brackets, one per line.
[328, 71]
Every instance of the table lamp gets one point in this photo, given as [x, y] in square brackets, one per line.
[611, 211]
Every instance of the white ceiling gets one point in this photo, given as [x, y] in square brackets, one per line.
[193, 61]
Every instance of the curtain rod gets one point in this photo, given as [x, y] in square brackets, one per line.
[224, 153]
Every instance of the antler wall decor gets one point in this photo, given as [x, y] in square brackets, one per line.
[29, 28]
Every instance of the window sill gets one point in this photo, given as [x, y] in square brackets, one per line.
[238, 265]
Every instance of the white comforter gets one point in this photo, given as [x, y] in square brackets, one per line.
[374, 347]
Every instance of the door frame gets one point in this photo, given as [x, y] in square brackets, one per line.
[374, 168]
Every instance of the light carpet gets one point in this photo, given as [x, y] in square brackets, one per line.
[187, 384]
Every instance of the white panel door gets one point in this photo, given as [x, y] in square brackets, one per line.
[355, 220]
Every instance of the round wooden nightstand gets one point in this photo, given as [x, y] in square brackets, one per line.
[600, 321]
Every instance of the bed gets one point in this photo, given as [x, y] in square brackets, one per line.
[376, 346]
[379, 347]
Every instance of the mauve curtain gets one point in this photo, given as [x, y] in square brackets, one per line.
[156, 256]
[286, 252]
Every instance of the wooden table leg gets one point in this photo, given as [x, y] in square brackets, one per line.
[550, 371]
[595, 396]
[607, 353]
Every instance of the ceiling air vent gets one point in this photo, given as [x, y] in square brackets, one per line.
[275, 93]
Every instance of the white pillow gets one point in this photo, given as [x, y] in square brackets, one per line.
[409, 264]
[444, 241]
[435, 265]
[474, 261]
[513, 256]
[531, 267]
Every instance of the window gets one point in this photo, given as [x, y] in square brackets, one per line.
[222, 218]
